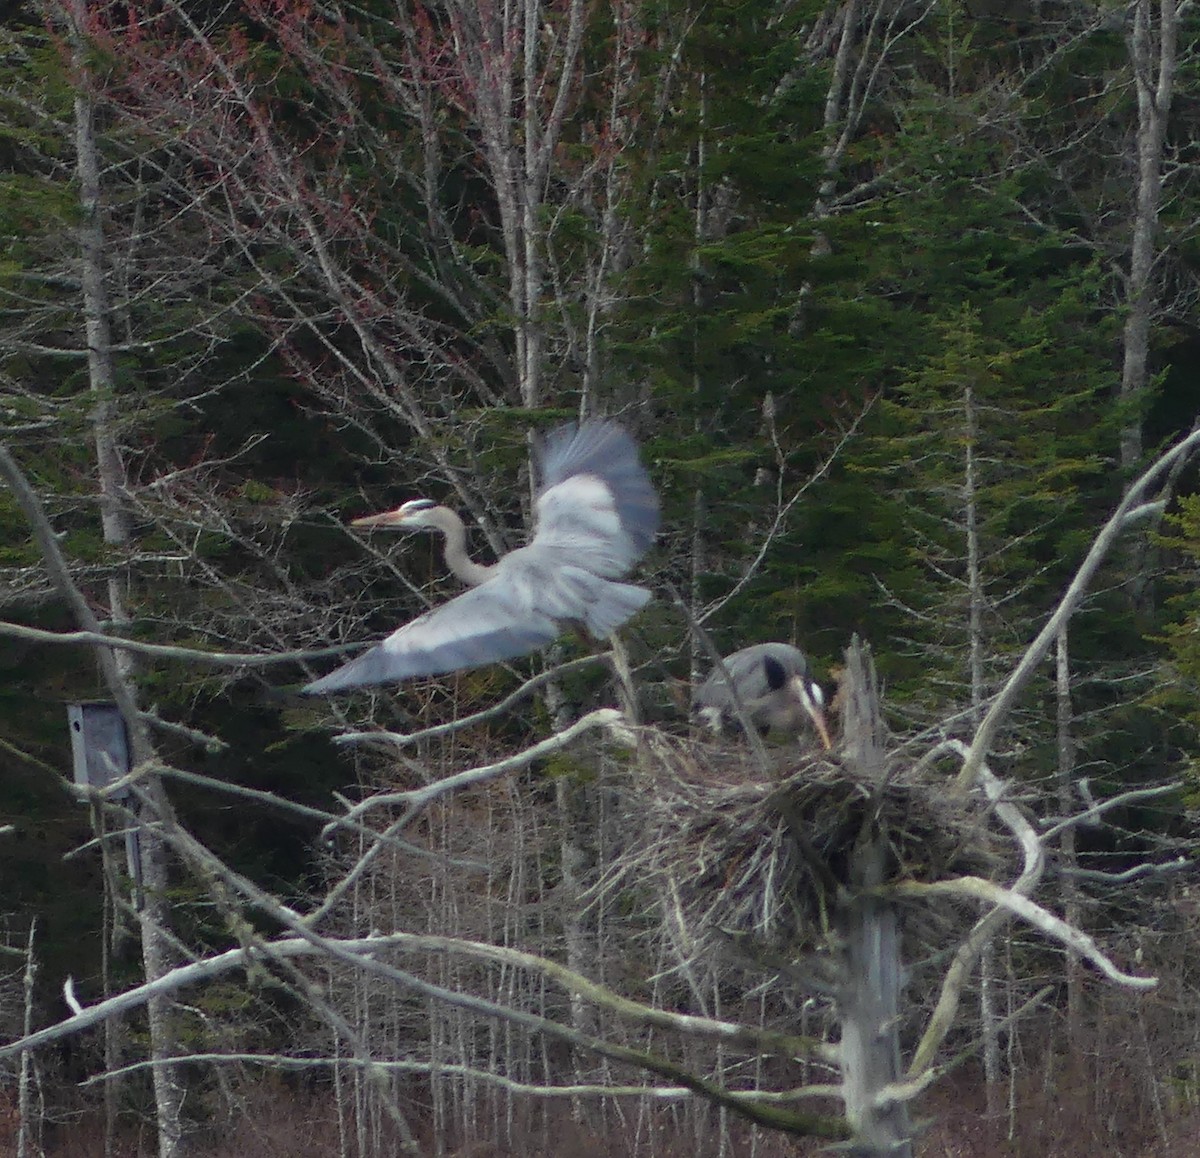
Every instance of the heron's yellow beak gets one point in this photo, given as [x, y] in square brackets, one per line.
[815, 711]
[395, 518]
[818, 719]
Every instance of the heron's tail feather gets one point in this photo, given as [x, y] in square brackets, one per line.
[611, 605]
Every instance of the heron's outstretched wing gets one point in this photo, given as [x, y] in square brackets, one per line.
[483, 625]
[597, 514]
[521, 608]
[596, 505]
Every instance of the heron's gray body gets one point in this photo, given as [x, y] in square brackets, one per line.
[596, 515]
[775, 687]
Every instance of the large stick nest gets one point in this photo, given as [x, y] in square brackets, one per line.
[736, 852]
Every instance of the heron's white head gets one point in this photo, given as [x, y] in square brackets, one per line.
[414, 514]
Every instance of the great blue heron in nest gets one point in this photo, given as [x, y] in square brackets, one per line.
[775, 687]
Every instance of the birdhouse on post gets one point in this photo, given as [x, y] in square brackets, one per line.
[99, 744]
[101, 756]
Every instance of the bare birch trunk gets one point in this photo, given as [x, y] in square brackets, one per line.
[988, 1017]
[576, 844]
[1154, 62]
[519, 168]
[168, 1089]
[975, 589]
[529, 327]
[112, 933]
[1066, 842]
[698, 659]
[507, 52]
[870, 1046]
[839, 123]
[24, 1075]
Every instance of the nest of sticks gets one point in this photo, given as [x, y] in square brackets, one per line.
[738, 854]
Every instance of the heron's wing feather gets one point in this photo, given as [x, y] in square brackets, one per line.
[748, 676]
[751, 675]
[601, 604]
[551, 582]
[484, 625]
[596, 501]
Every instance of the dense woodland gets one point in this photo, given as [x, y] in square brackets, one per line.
[899, 299]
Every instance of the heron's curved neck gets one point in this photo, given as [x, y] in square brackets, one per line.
[455, 551]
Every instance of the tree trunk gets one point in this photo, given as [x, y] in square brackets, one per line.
[1066, 842]
[1153, 58]
[25, 1141]
[976, 597]
[168, 1088]
[576, 814]
[869, 1003]
[869, 995]
[1154, 64]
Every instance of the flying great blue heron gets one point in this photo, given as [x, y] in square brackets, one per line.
[775, 687]
[596, 516]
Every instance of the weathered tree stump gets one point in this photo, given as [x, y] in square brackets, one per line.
[868, 992]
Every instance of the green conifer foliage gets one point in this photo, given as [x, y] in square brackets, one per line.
[983, 475]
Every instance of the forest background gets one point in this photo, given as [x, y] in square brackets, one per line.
[897, 296]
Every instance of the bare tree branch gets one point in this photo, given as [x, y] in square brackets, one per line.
[416, 799]
[498, 709]
[1037, 650]
[60, 574]
[1032, 912]
[97, 638]
[1105, 805]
